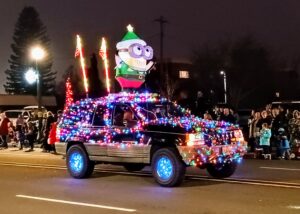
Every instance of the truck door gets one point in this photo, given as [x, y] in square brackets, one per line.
[125, 140]
[97, 144]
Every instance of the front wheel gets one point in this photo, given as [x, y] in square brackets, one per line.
[222, 170]
[78, 162]
[168, 168]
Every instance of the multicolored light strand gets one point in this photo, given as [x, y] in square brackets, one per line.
[212, 133]
[103, 55]
[69, 94]
[79, 53]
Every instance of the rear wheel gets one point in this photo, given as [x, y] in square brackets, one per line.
[78, 162]
[131, 167]
[168, 168]
[222, 170]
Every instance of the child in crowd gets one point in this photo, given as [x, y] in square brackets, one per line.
[30, 136]
[20, 130]
[11, 133]
[284, 144]
[264, 141]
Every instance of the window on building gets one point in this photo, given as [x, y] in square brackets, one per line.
[184, 74]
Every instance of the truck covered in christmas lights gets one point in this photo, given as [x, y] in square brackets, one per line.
[140, 129]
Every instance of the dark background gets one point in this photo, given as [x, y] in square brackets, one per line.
[275, 24]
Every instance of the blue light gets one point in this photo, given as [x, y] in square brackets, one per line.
[164, 168]
[239, 160]
[76, 162]
[220, 160]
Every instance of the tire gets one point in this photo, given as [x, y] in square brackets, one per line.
[131, 167]
[222, 170]
[78, 162]
[168, 168]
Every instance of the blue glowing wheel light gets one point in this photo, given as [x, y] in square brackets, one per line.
[76, 162]
[164, 168]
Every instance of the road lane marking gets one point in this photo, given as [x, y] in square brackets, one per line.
[20, 154]
[32, 165]
[76, 203]
[294, 207]
[278, 168]
[194, 177]
[264, 183]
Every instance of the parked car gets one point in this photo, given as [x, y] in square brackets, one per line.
[135, 130]
[13, 115]
[34, 109]
[292, 104]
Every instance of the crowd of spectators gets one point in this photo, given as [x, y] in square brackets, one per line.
[272, 130]
[25, 133]
[284, 125]
[222, 113]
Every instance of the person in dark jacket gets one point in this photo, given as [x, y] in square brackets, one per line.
[30, 136]
[226, 116]
[264, 119]
[283, 144]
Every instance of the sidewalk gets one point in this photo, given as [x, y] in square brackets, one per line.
[16, 149]
[13, 147]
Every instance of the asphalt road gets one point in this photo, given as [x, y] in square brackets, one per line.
[36, 182]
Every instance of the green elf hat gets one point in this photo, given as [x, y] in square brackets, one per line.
[129, 39]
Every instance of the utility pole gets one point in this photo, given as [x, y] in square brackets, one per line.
[161, 20]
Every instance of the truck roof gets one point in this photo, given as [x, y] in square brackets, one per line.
[123, 97]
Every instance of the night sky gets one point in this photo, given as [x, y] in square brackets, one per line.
[275, 23]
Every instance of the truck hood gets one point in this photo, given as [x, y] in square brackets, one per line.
[193, 124]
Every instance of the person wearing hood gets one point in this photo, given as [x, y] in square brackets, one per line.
[284, 144]
[3, 130]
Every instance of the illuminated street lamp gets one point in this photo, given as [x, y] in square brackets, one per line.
[225, 86]
[37, 53]
[31, 76]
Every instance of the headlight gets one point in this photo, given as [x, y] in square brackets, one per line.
[194, 139]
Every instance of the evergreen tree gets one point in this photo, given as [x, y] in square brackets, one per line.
[96, 88]
[29, 32]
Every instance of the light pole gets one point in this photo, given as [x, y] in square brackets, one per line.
[37, 54]
[225, 86]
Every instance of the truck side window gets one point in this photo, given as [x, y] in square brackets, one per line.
[122, 115]
[118, 116]
[98, 116]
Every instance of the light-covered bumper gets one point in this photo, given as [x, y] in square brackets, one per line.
[202, 154]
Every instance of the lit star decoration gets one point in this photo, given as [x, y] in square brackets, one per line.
[103, 55]
[79, 53]
[130, 28]
[211, 134]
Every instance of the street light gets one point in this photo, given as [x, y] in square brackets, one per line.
[31, 76]
[37, 53]
[225, 86]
